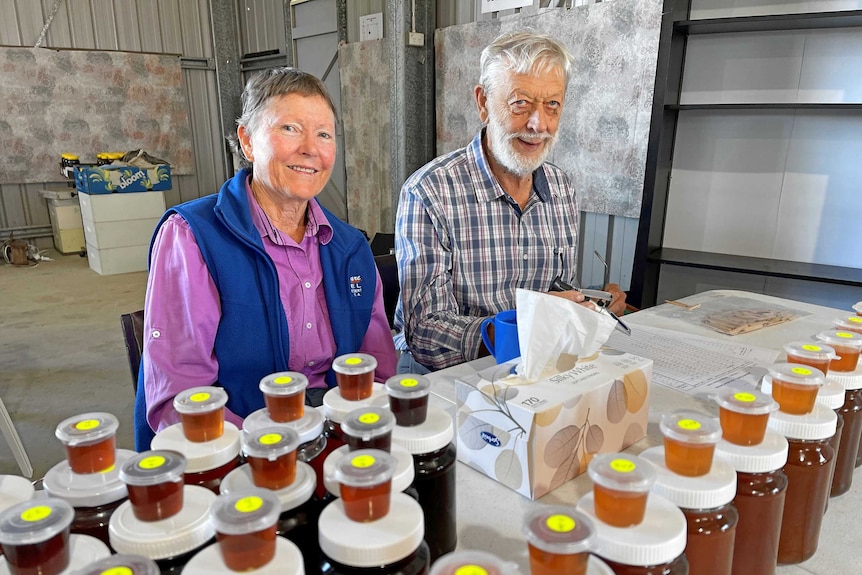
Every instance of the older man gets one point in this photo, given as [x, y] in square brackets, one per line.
[477, 223]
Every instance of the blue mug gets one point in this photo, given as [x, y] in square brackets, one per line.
[505, 329]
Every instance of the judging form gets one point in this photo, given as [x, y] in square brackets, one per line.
[693, 364]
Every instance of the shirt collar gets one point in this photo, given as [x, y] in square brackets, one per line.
[318, 225]
[491, 188]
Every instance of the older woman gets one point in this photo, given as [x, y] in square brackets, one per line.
[260, 277]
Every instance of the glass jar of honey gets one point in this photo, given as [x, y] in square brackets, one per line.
[271, 455]
[743, 414]
[35, 537]
[89, 440]
[810, 353]
[621, 485]
[369, 428]
[689, 442]
[365, 478]
[408, 398]
[245, 526]
[559, 540]
[850, 410]
[354, 374]
[402, 479]
[154, 480]
[847, 346]
[710, 516]
[795, 387]
[284, 395]
[206, 462]
[848, 323]
[201, 411]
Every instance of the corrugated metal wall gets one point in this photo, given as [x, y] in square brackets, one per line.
[167, 26]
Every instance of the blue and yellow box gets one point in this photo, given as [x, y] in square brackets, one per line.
[111, 179]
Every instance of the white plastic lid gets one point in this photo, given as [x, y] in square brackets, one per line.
[203, 456]
[287, 561]
[559, 530]
[354, 364]
[336, 408]
[14, 489]
[842, 338]
[153, 468]
[748, 401]
[87, 428]
[269, 442]
[309, 427]
[291, 497]
[659, 538]
[716, 488]
[832, 394]
[690, 427]
[283, 383]
[472, 562]
[122, 564]
[181, 533]
[382, 542]
[819, 424]
[90, 489]
[797, 374]
[366, 423]
[405, 471]
[768, 455]
[435, 433]
[198, 400]
[33, 522]
[408, 386]
[622, 472]
[245, 511]
[857, 307]
[809, 350]
[849, 379]
[365, 468]
[850, 322]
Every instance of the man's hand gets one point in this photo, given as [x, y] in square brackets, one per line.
[575, 296]
[618, 304]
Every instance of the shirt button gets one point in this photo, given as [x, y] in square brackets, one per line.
[525, 256]
[308, 284]
[310, 364]
[156, 334]
[308, 325]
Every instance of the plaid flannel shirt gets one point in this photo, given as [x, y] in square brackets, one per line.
[463, 246]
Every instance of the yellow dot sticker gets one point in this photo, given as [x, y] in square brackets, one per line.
[109, 469]
[248, 504]
[270, 438]
[362, 461]
[118, 571]
[801, 371]
[409, 382]
[369, 418]
[854, 319]
[37, 513]
[470, 570]
[689, 424]
[87, 424]
[152, 462]
[199, 397]
[353, 360]
[809, 347]
[282, 380]
[623, 465]
[560, 523]
[744, 397]
[844, 335]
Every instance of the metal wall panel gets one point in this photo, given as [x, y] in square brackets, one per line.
[261, 25]
[357, 8]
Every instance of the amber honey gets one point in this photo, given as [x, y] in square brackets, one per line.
[821, 364]
[285, 408]
[848, 358]
[275, 474]
[92, 458]
[742, 428]
[354, 387]
[247, 551]
[793, 398]
[201, 427]
[689, 459]
[46, 558]
[545, 563]
[619, 508]
[365, 504]
[156, 502]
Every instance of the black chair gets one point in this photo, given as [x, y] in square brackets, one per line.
[133, 335]
[382, 244]
[391, 288]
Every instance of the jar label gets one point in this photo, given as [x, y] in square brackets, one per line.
[270, 438]
[282, 380]
[409, 382]
[363, 461]
[623, 465]
[801, 370]
[470, 570]
[689, 424]
[118, 571]
[369, 418]
[37, 513]
[151, 462]
[199, 397]
[560, 523]
[744, 397]
[248, 504]
[87, 424]
[844, 335]
[809, 347]
[353, 360]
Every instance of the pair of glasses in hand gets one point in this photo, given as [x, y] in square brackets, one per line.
[601, 299]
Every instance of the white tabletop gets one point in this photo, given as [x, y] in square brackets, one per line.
[489, 514]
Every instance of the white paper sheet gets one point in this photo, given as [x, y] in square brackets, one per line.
[692, 364]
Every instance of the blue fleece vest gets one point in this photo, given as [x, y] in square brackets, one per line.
[252, 339]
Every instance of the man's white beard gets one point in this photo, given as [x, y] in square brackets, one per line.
[503, 149]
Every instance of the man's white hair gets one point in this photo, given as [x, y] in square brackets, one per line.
[522, 52]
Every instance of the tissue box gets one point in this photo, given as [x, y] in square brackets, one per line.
[534, 437]
[109, 179]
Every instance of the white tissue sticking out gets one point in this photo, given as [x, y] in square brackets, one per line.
[553, 332]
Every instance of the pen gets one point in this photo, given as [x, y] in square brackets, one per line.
[620, 324]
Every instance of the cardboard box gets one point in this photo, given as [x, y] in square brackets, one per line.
[109, 179]
[535, 437]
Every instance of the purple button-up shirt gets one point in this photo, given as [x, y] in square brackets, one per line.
[178, 353]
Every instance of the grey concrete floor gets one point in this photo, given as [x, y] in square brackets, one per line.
[62, 351]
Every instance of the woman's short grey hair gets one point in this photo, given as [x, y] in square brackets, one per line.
[522, 52]
[269, 84]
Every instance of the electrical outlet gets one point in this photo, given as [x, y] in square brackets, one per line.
[415, 39]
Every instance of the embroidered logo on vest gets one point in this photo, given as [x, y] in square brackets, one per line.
[356, 286]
